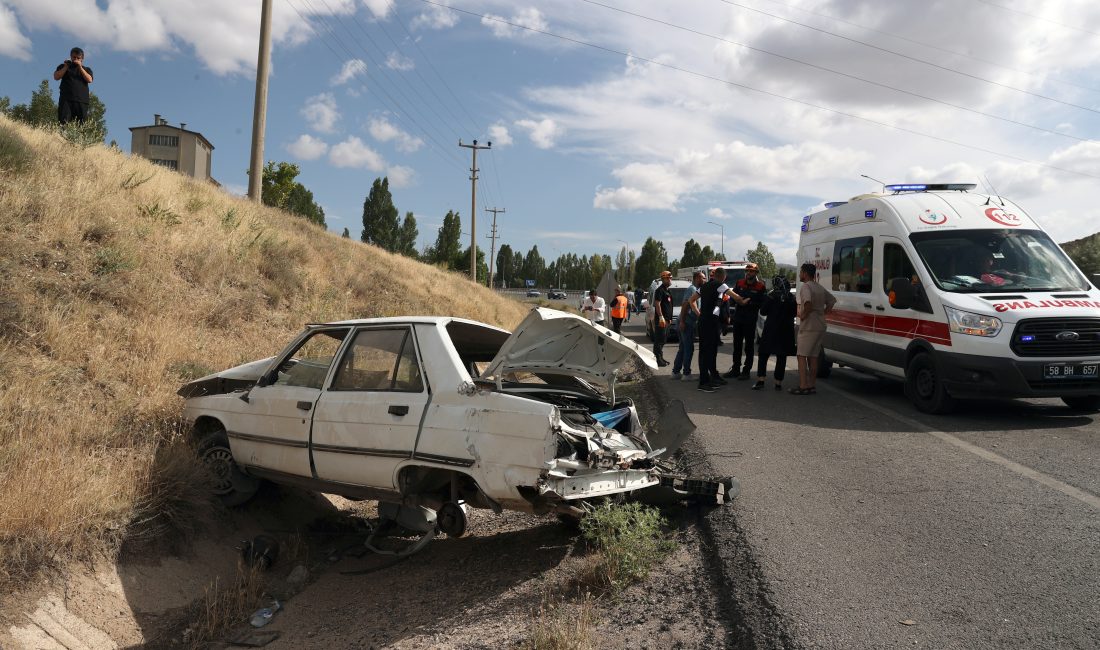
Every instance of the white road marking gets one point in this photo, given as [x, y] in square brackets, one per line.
[1084, 497]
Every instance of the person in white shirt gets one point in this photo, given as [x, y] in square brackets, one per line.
[594, 307]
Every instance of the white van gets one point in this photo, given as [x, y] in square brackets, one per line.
[959, 294]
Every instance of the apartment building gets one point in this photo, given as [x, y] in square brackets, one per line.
[176, 148]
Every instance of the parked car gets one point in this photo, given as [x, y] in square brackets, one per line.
[557, 294]
[528, 420]
[680, 290]
[533, 293]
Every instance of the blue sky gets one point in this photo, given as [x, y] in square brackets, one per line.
[593, 148]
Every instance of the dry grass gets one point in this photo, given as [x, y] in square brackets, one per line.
[225, 605]
[561, 625]
[120, 280]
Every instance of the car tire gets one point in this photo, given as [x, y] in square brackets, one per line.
[824, 366]
[924, 386]
[230, 484]
[1083, 402]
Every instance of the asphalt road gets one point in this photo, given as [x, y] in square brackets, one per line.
[872, 525]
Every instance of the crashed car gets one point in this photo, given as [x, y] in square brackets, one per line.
[441, 414]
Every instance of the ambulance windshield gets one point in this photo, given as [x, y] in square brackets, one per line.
[997, 261]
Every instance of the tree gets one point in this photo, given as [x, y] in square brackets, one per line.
[653, 260]
[622, 266]
[598, 265]
[504, 269]
[764, 259]
[380, 226]
[279, 189]
[709, 255]
[42, 111]
[534, 267]
[462, 263]
[347, 234]
[406, 236]
[693, 254]
[446, 248]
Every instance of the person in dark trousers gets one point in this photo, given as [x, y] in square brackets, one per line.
[638, 295]
[662, 316]
[689, 318]
[709, 299]
[74, 78]
[618, 311]
[777, 339]
[744, 320]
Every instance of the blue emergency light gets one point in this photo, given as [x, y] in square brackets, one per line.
[829, 205]
[1027, 338]
[933, 187]
[869, 214]
[834, 220]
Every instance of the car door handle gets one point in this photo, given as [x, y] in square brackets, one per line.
[867, 305]
[880, 308]
[305, 406]
[399, 409]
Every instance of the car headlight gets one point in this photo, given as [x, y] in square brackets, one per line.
[964, 322]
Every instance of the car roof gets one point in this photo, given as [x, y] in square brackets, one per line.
[406, 320]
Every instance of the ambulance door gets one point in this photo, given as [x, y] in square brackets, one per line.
[850, 336]
[895, 328]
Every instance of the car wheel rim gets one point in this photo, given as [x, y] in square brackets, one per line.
[219, 461]
[926, 383]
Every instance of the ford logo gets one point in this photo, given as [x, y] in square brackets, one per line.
[1067, 336]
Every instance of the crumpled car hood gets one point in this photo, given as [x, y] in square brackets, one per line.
[236, 378]
[549, 341]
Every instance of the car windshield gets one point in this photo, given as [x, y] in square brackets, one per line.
[996, 261]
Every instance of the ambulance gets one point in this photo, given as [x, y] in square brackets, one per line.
[956, 293]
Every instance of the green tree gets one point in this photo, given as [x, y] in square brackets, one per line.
[504, 268]
[446, 248]
[622, 266]
[462, 263]
[42, 109]
[534, 267]
[347, 234]
[764, 259]
[278, 188]
[693, 254]
[5, 105]
[406, 236]
[380, 225]
[709, 255]
[652, 260]
[598, 265]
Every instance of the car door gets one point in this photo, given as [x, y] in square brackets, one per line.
[852, 320]
[896, 327]
[273, 432]
[367, 420]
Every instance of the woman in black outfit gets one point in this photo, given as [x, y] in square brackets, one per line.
[778, 336]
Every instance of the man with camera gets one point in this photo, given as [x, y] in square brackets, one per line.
[74, 78]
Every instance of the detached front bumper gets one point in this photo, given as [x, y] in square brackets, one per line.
[555, 487]
[976, 376]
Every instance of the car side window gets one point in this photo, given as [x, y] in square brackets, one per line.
[896, 264]
[308, 365]
[853, 260]
[380, 360]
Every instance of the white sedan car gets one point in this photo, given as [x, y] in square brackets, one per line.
[443, 413]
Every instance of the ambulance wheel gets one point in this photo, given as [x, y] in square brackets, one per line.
[1083, 402]
[924, 386]
[824, 366]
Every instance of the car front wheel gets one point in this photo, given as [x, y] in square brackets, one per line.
[924, 386]
[232, 486]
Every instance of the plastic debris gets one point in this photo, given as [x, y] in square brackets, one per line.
[263, 616]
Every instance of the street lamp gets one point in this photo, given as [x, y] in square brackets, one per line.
[723, 253]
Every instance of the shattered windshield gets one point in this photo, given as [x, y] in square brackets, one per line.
[996, 261]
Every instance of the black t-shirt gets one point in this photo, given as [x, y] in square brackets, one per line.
[663, 299]
[708, 299]
[73, 86]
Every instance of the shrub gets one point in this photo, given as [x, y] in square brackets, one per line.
[629, 539]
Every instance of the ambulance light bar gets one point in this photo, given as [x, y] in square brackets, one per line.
[931, 187]
[829, 205]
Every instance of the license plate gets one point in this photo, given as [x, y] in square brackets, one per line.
[1071, 371]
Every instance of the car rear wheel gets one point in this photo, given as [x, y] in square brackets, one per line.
[1083, 402]
[232, 486]
[924, 386]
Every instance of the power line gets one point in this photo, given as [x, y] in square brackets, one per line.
[768, 93]
[933, 46]
[912, 58]
[841, 73]
[1042, 18]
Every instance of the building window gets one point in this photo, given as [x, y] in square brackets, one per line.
[164, 141]
[170, 164]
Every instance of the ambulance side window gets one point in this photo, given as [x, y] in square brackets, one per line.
[853, 260]
[895, 264]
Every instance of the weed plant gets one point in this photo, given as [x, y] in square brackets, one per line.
[630, 541]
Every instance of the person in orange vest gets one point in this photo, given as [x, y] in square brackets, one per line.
[618, 310]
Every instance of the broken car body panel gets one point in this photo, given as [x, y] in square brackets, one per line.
[396, 409]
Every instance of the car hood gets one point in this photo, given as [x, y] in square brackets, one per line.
[227, 381]
[549, 341]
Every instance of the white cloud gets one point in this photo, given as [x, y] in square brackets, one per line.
[717, 213]
[435, 17]
[380, 8]
[529, 17]
[354, 153]
[307, 147]
[352, 68]
[400, 176]
[321, 112]
[498, 135]
[400, 62]
[543, 133]
[12, 41]
[383, 130]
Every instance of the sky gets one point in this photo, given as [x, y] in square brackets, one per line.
[611, 121]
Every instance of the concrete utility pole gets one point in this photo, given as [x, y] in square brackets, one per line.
[493, 236]
[473, 205]
[259, 114]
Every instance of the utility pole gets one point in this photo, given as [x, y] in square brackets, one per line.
[473, 204]
[493, 236]
[259, 113]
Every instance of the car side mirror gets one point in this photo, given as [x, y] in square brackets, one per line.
[264, 380]
[902, 294]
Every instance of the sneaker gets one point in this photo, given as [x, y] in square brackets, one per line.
[744, 375]
[718, 381]
[731, 374]
[688, 376]
[675, 376]
[706, 388]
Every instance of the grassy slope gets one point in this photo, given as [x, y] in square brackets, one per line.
[120, 280]
[1085, 253]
